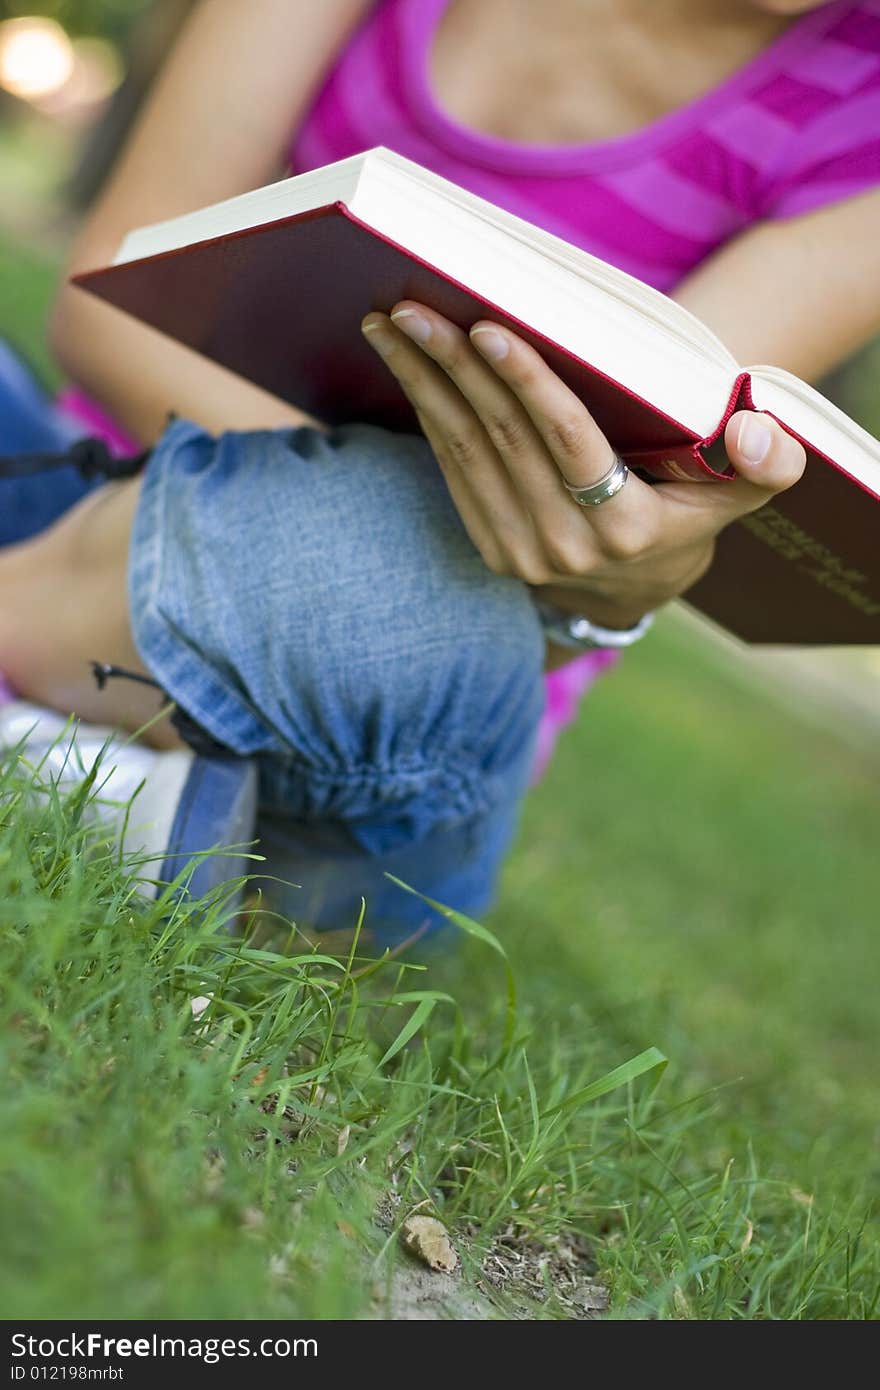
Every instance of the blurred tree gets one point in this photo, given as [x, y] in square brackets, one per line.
[150, 33]
[111, 19]
[143, 32]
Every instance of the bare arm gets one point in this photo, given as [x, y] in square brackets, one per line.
[802, 294]
[218, 123]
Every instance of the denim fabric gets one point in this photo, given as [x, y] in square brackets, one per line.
[313, 600]
[29, 423]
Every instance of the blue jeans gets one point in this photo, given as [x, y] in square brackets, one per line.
[30, 424]
[314, 602]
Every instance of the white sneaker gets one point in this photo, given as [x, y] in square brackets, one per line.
[166, 806]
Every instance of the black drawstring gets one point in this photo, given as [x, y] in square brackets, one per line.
[91, 456]
[103, 672]
[94, 460]
[199, 740]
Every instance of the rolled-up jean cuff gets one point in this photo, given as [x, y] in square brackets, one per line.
[320, 879]
[313, 600]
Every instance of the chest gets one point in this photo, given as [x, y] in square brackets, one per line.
[575, 71]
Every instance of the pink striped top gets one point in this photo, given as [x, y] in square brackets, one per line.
[793, 130]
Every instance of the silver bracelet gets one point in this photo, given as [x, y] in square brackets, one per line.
[580, 634]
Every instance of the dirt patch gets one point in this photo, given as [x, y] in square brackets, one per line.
[520, 1278]
[417, 1294]
[557, 1276]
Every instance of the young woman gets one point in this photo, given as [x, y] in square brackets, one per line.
[333, 604]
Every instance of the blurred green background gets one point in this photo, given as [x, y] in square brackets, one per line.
[699, 869]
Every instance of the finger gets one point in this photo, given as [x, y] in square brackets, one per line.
[456, 432]
[480, 488]
[576, 444]
[767, 461]
[569, 534]
[481, 528]
[506, 422]
[766, 457]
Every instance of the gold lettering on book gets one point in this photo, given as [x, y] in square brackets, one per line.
[812, 558]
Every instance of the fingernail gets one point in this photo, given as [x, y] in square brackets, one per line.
[413, 324]
[754, 440]
[378, 337]
[490, 343]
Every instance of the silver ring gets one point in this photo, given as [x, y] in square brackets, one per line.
[609, 486]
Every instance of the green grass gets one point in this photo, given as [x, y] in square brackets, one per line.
[226, 1162]
[698, 873]
[27, 284]
[699, 870]
[227, 1165]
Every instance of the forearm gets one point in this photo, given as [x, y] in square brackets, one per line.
[802, 294]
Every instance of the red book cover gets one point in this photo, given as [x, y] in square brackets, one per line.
[281, 304]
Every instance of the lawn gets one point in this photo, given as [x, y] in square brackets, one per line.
[26, 283]
[697, 873]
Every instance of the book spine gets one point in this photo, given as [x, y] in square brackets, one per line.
[703, 461]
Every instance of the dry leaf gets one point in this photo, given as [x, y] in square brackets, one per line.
[342, 1140]
[200, 1004]
[747, 1238]
[428, 1238]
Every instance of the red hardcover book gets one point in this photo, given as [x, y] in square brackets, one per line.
[274, 284]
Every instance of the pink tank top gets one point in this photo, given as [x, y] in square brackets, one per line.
[795, 129]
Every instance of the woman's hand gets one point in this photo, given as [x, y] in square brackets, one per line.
[508, 435]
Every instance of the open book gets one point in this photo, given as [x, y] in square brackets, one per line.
[273, 285]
